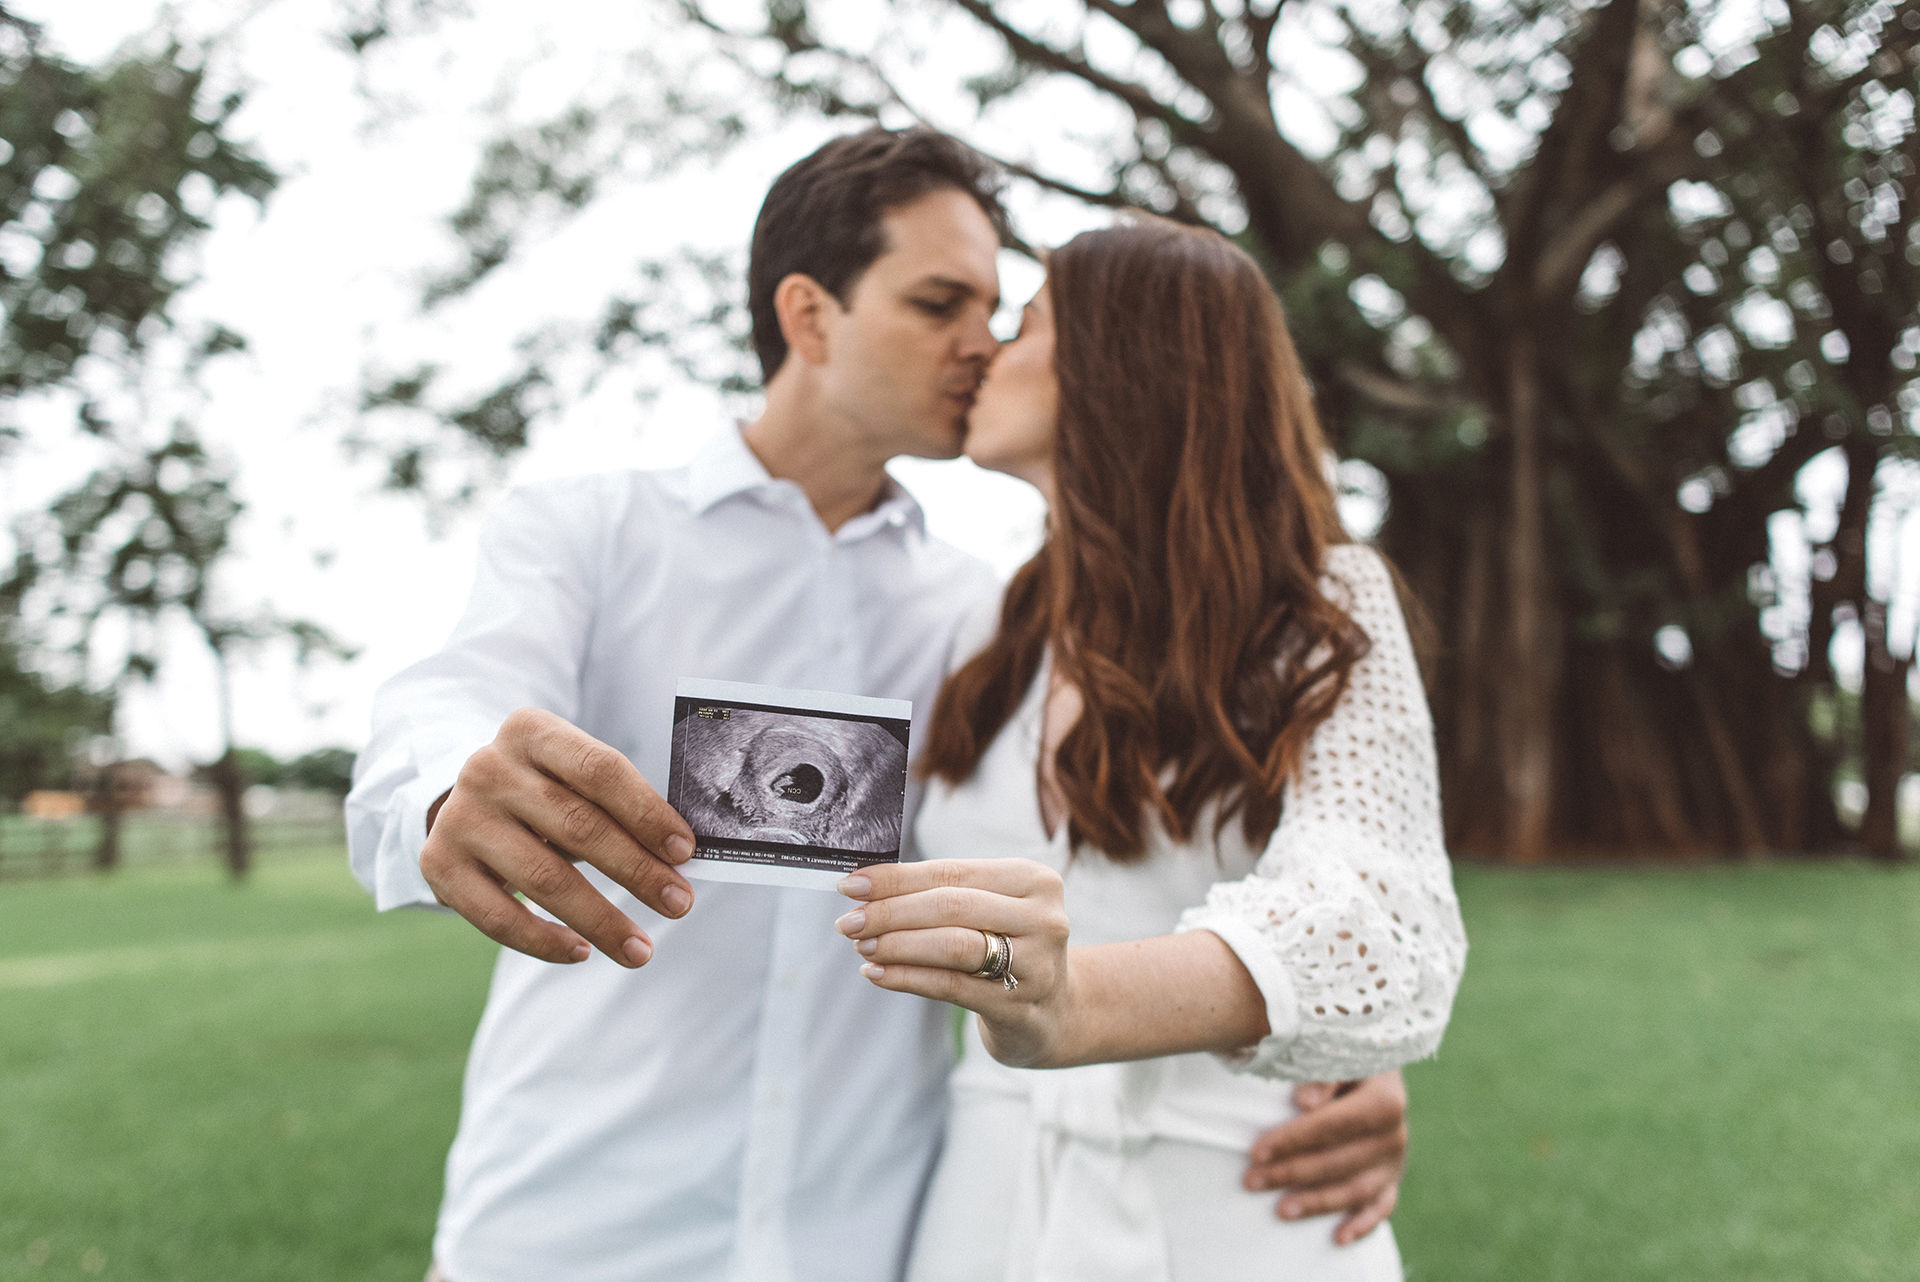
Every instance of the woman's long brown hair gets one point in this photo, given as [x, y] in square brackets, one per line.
[1178, 587]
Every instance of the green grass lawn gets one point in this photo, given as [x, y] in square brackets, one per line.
[1664, 1074]
[219, 1084]
[1701, 1074]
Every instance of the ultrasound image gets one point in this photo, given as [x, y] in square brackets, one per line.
[749, 774]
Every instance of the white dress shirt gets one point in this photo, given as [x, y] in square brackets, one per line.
[746, 1106]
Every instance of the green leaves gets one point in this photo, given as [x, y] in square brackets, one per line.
[44, 724]
[108, 174]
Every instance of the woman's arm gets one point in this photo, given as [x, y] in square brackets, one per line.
[1089, 1005]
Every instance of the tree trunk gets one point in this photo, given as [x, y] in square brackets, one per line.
[106, 855]
[1626, 788]
[231, 784]
[1530, 641]
[1705, 759]
[228, 779]
[1885, 730]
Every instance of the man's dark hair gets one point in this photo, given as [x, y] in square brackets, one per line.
[822, 217]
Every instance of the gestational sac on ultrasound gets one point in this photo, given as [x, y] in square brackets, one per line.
[788, 777]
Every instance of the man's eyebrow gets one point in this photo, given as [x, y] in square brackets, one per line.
[953, 283]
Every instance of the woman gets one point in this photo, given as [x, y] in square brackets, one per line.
[1195, 737]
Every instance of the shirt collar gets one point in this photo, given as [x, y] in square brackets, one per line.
[725, 467]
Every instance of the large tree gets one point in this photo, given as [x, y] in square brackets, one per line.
[1590, 286]
[108, 177]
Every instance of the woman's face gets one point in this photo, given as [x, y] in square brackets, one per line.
[1011, 428]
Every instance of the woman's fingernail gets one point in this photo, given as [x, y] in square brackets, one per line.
[872, 971]
[636, 951]
[1289, 1211]
[868, 947]
[853, 923]
[854, 886]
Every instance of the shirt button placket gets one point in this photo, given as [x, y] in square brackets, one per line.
[763, 1250]
[835, 621]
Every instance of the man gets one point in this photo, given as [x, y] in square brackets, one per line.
[748, 1107]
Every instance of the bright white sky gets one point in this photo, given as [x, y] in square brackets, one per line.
[327, 277]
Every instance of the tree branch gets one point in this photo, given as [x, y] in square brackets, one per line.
[1260, 27]
[1288, 196]
[1197, 55]
[1139, 99]
[1563, 255]
[1392, 393]
[796, 40]
[1380, 62]
[1574, 156]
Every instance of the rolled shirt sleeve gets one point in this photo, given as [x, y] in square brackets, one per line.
[1348, 923]
[520, 643]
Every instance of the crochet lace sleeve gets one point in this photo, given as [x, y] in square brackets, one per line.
[1348, 923]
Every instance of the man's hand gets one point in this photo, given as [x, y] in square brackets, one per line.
[542, 794]
[1345, 1151]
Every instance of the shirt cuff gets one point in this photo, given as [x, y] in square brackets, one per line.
[1276, 988]
[401, 884]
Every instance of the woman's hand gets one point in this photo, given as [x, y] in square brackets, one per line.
[920, 929]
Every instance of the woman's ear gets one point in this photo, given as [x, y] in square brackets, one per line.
[800, 304]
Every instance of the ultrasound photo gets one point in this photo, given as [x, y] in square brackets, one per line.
[787, 787]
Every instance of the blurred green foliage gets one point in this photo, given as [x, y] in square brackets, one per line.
[106, 175]
[44, 727]
[321, 770]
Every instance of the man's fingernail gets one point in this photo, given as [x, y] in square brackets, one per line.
[853, 923]
[677, 899]
[855, 886]
[1289, 1211]
[579, 953]
[637, 951]
[868, 947]
[872, 971]
[679, 849]
[1252, 1182]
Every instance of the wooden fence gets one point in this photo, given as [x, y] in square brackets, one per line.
[66, 847]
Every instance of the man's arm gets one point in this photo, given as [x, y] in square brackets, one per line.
[468, 794]
[1345, 1152]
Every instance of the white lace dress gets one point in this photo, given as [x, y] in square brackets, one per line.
[1347, 921]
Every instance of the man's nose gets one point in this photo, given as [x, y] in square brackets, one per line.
[977, 343]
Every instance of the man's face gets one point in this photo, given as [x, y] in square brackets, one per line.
[907, 352]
